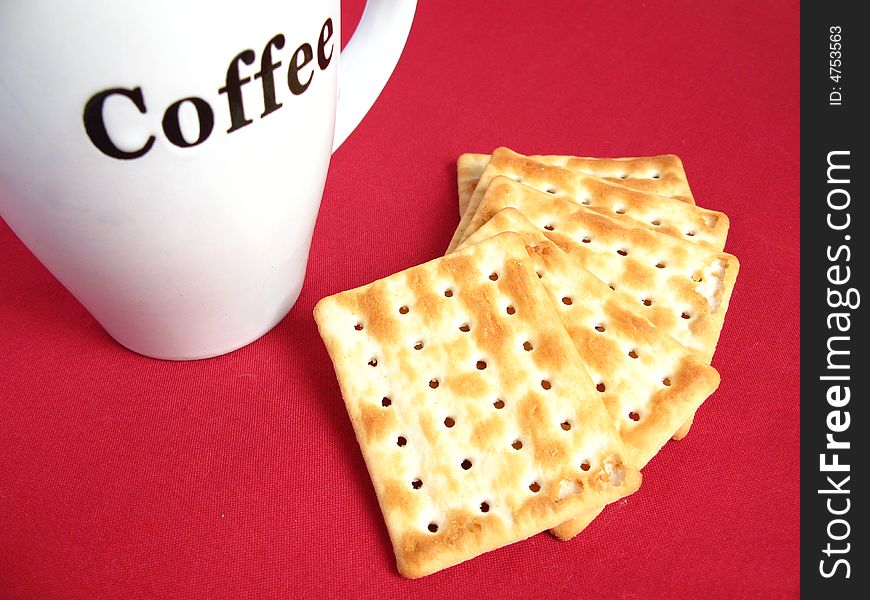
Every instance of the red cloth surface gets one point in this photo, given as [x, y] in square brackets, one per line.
[239, 476]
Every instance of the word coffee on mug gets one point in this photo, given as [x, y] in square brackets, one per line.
[169, 170]
[300, 73]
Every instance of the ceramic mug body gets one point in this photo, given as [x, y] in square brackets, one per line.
[166, 160]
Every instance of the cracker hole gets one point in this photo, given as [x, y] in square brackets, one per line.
[373, 362]
[449, 422]
[401, 441]
[611, 286]
[465, 328]
[510, 310]
[619, 211]
[466, 464]
[586, 202]
[546, 384]
[600, 387]
[622, 252]
[655, 222]
[623, 175]
[584, 466]
[527, 346]
[535, 487]
[539, 274]
[499, 404]
[385, 402]
[551, 190]
[565, 425]
[647, 302]
[660, 265]
[586, 240]
[690, 233]
[358, 326]
[600, 328]
[517, 445]
[567, 301]
[493, 276]
[417, 484]
[433, 383]
[432, 527]
[634, 416]
[481, 365]
[418, 346]
[403, 310]
[518, 179]
[666, 381]
[656, 175]
[685, 315]
[549, 227]
[448, 293]
[484, 507]
[632, 353]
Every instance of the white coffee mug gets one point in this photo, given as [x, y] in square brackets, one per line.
[166, 160]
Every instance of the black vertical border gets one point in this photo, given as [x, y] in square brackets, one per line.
[826, 128]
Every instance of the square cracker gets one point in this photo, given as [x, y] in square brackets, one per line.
[665, 215]
[662, 174]
[627, 357]
[471, 441]
[682, 287]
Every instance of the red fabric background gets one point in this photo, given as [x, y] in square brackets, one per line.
[239, 476]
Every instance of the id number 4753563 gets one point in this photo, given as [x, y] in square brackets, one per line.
[836, 53]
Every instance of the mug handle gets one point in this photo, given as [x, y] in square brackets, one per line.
[368, 60]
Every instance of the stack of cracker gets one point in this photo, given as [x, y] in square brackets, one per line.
[520, 382]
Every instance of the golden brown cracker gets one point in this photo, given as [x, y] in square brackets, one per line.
[663, 174]
[650, 383]
[471, 440]
[634, 207]
[680, 286]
